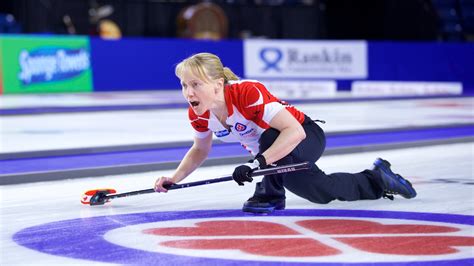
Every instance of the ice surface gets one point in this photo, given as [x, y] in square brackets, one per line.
[442, 174]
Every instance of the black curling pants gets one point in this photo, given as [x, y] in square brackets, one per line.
[313, 184]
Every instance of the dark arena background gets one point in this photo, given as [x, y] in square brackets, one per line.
[89, 102]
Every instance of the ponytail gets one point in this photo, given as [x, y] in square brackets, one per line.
[229, 75]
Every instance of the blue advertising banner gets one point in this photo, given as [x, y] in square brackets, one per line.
[148, 64]
[349, 61]
[422, 62]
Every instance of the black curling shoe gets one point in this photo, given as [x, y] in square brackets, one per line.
[394, 184]
[263, 205]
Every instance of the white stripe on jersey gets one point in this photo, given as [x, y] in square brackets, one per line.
[201, 135]
[259, 100]
[271, 109]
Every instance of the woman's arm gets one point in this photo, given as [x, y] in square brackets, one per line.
[192, 160]
[291, 134]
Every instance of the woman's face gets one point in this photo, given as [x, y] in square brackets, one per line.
[199, 93]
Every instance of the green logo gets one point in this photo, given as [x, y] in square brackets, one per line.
[45, 64]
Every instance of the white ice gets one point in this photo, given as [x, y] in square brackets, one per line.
[99, 129]
[32, 204]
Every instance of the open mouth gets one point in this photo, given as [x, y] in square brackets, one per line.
[194, 103]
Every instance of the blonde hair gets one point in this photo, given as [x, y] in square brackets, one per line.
[206, 66]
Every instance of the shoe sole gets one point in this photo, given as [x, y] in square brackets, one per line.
[261, 210]
[379, 162]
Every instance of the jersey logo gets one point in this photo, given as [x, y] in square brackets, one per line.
[260, 98]
[240, 127]
[222, 133]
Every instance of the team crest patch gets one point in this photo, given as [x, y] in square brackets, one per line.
[240, 127]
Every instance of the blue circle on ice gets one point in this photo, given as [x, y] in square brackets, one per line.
[83, 238]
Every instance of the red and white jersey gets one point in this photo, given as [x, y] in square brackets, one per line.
[250, 108]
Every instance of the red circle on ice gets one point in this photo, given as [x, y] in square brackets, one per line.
[438, 237]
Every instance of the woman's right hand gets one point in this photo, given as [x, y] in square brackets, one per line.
[160, 182]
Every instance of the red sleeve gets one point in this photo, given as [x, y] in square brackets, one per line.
[256, 103]
[253, 98]
[199, 123]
